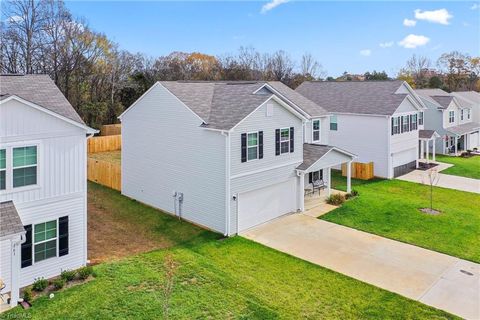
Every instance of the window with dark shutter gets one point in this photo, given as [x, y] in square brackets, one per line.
[63, 236]
[393, 127]
[292, 139]
[277, 142]
[27, 247]
[260, 145]
[244, 147]
[310, 177]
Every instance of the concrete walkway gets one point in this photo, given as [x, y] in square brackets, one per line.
[438, 280]
[445, 180]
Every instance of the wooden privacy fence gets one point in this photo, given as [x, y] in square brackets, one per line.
[111, 130]
[104, 143]
[105, 173]
[360, 170]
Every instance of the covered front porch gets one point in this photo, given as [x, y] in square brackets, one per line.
[461, 138]
[427, 138]
[315, 173]
[12, 235]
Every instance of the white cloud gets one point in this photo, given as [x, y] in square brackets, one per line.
[387, 44]
[409, 23]
[436, 16]
[366, 52]
[14, 19]
[272, 5]
[412, 41]
[475, 6]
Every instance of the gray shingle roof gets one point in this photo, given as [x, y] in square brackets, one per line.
[41, 90]
[310, 107]
[425, 134]
[224, 104]
[464, 128]
[10, 222]
[360, 97]
[311, 154]
[438, 97]
[471, 96]
[443, 101]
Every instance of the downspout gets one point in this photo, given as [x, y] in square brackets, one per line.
[227, 182]
[389, 148]
[85, 202]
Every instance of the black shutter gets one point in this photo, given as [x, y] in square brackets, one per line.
[310, 177]
[292, 139]
[27, 247]
[277, 142]
[244, 147]
[63, 236]
[409, 122]
[401, 124]
[393, 132]
[260, 145]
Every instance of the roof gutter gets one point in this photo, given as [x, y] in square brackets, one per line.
[227, 183]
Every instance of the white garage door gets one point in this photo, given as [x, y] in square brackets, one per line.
[404, 157]
[473, 140]
[258, 206]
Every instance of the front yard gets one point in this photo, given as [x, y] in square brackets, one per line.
[389, 208]
[464, 167]
[214, 278]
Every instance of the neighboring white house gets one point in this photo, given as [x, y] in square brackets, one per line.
[43, 211]
[451, 116]
[379, 121]
[225, 155]
[473, 98]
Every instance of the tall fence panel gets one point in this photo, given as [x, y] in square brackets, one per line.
[111, 129]
[104, 143]
[363, 171]
[105, 173]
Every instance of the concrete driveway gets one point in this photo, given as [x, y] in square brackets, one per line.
[444, 180]
[438, 280]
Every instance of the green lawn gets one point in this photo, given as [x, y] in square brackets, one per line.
[465, 167]
[218, 279]
[390, 208]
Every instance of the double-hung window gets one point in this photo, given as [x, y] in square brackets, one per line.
[451, 116]
[252, 146]
[24, 166]
[420, 118]
[468, 114]
[45, 240]
[395, 125]
[333, 123]
[284, 140]
[316, 130]
[405, 124]
[461, 114]
[413, 125]
[3, 169]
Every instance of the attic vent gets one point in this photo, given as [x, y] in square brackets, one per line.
[269, 112]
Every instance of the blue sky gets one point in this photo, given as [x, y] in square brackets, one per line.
[343, 36]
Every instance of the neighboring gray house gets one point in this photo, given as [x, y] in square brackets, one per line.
[43, 182]
[473, 98]
[452, 118]
[225, 155]
[377, 120]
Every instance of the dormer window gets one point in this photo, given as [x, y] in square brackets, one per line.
[316, 130]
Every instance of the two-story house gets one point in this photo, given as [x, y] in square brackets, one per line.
[225, 155]
[452, 118]
[379, 121]
[43, 208]
[471, 98]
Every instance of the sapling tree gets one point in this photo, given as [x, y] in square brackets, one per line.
[432, 177]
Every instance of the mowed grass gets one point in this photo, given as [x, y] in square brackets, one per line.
[110, 156]
[390, 208]
[215, 278]
[464, 167]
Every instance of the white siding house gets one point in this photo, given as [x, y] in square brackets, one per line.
[42, 182]
[362, 116]
[227, 156]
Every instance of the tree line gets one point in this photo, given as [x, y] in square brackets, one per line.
[100, 80]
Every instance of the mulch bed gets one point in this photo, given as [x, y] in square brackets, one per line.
[425, 166]
[429, 211]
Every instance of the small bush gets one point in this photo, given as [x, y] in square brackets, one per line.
[352, 194]
[336, 199]
[58, 283]
[27, 294]
[40, 284]
[85, 272]
[68, 275]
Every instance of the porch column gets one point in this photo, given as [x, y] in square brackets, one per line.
[329, 181]
[456, 145]
[427, 147]
[422, 149]
[433, 150]
[15, 271]
[302, 192]
[349, 176]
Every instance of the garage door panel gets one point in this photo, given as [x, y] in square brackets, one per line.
[259, 206]
[474, 140]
